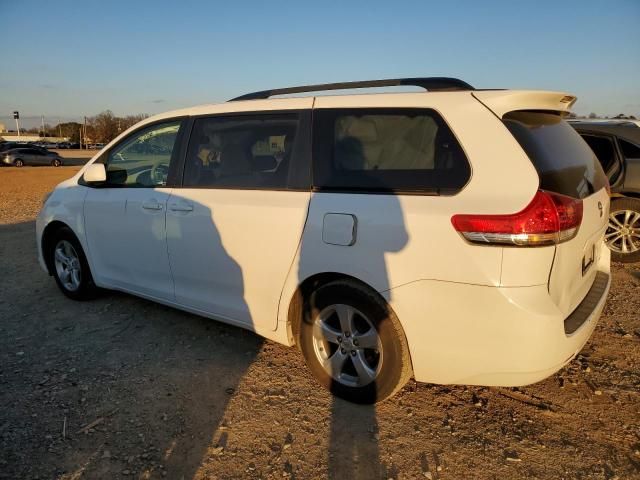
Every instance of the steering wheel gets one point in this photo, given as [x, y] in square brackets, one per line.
[159, 173]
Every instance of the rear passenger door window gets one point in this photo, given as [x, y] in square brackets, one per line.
[242, 152]
[605, 150]
[398, 150]
[629, 150]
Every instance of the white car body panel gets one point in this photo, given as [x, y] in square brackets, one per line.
[568, 284]
[65, 205]
[476, 335]
[127, 240]
[231, 254]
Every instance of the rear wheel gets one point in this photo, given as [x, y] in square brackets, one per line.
[69, 266]
[353, 343]
[18, 162]
[56, 162]
[623, 232]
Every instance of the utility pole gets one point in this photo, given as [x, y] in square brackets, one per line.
[44, 134]
[84, 133]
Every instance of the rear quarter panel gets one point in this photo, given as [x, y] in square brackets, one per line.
[406, 238]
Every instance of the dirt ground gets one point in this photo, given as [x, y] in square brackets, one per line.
[123, 388]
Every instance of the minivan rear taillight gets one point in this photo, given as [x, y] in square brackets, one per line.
[549, 218]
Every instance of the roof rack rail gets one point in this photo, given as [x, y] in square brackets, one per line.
[433, 84]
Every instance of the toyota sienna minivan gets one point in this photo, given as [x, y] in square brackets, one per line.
[453, 235]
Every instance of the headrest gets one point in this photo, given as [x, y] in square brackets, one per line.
[361, 128]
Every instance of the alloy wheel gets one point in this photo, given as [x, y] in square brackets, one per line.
[68, 267]
[347, 345]
[623, 232]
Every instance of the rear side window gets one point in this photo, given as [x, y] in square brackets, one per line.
[564, 162]
[395, 150]
[241, 152]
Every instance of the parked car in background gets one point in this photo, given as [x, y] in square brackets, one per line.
[30, 155]
[617, 146]
[629, 122]
[95, 146]
[373, 248]
[68, 145]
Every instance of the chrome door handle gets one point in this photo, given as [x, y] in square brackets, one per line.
[181, 207]
[151, 205]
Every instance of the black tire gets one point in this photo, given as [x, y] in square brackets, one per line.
[86, 289]
[18, 162]
[395, 368]
[618, 207]
[56, 162]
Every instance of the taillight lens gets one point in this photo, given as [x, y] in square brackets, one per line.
[549, 218]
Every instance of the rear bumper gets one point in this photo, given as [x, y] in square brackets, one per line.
[477, 335]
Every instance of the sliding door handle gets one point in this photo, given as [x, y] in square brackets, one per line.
[181, 207]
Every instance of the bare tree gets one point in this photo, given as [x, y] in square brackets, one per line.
[105, 126]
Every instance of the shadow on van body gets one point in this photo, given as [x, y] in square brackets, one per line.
[354, 433]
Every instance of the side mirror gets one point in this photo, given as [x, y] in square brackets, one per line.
[95, 173]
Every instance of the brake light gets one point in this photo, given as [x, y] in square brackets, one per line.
[549, 218]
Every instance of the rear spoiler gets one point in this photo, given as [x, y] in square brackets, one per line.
[504, 101]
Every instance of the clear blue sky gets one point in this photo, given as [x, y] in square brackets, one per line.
[65, 59]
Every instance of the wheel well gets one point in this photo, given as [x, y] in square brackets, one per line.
[305, 289]
[47, 238]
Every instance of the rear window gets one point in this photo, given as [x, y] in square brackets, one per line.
[393, 150]
[564, 162]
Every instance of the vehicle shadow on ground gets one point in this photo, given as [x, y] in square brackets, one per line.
[132, 384]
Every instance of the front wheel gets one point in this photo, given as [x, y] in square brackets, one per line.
[69, 266]
[56, 162]
[623, 232]
[18, 162]
[353, 343]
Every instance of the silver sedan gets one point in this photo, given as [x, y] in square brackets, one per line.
[19, 157]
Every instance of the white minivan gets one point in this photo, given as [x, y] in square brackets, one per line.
[453, 235]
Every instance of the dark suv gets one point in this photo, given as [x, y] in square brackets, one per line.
[617, 146]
